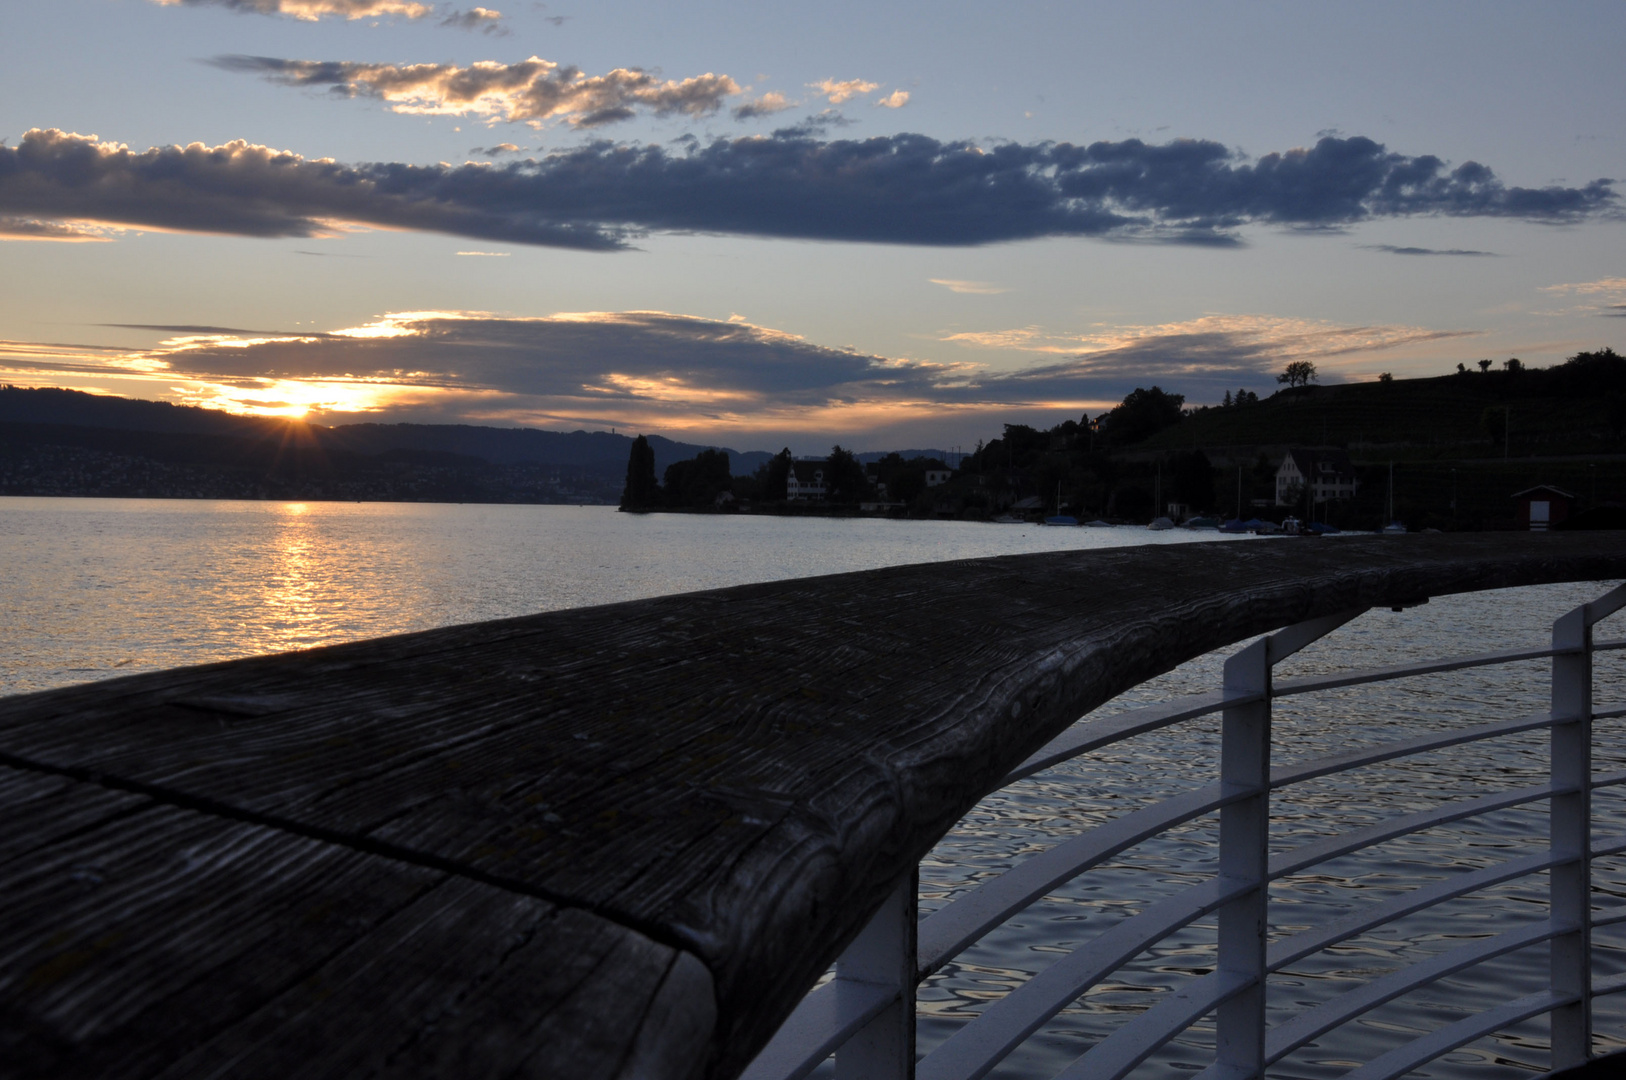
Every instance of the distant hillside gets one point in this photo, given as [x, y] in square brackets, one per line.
[1568, 409]
[498, 446]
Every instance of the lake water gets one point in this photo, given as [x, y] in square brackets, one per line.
[101, 587]
[95, 588]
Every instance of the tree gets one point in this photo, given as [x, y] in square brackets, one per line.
[1484, 365]
[1142, 413]
[1386, 378]
[641, 493]
[1297, 373]
[844, 477]
[773, 476]
[698, 481]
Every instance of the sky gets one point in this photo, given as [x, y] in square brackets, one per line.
[756, 225]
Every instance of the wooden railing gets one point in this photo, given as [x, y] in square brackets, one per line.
[626, 840]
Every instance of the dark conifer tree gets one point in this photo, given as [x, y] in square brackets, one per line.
[641, 493]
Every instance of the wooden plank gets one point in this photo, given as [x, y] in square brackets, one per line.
[739, 774]
[178, 944]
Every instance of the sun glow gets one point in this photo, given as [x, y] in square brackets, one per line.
[294, 399]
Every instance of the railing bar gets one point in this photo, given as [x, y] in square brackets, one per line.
[1608, 779]
[1614, 984]
[1293, 949]
[948, 931]
[1307, 1026]
[1139, 1037]
[1609, 646]
[1087, 735]
[1615, 848]
[1403, 1059]
[826, 1018]
[1371, 755]
[1296, 859]
[1608, 714]
[1081, 740]
[1314, 683]
[980, 1045]
[1608, 920]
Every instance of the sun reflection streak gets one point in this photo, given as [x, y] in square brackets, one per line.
[292, 584]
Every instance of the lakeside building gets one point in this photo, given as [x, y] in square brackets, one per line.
[806, 480]
[1327, 474]
[1543, 506]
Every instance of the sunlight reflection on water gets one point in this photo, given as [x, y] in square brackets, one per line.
[100, 587]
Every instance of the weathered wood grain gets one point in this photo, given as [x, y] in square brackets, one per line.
[732, 779]
[174, 943]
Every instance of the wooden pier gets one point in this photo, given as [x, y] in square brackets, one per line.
[619, 841]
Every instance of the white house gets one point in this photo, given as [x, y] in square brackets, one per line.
[937, 476]
[805, 480]
[1327, 474]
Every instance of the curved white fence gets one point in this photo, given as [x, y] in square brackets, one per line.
[865, 1015]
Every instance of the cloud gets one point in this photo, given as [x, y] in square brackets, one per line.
[496, 151]
[1199, 357]
[898, 189]
[766, 105]
[897, 99]
[479, 18]
[312, 10]
[1602, 297]
[839, 92]
[487, 254]
[62, 232]
[977, 288]
[1603, 286]
[1394, 250]
[532, 91]
[669, 371]
[221, 331]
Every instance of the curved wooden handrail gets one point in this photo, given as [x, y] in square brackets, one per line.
[612, 841]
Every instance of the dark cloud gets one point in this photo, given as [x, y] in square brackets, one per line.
[496, 151]
[815, 126]
[533, 90]
[483, 19]
[620, 356]
[1394, 250]
[245, 190]
[311, 10]
[766, 105]
[902, 189]
[1616, 311]
[649, 362]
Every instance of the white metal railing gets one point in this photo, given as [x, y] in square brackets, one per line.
[865, 1015]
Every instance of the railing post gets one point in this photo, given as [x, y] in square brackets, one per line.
[884, 954]
[1569, 834]
[1244, 856]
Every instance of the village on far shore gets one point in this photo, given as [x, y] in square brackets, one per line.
[1513, 447]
